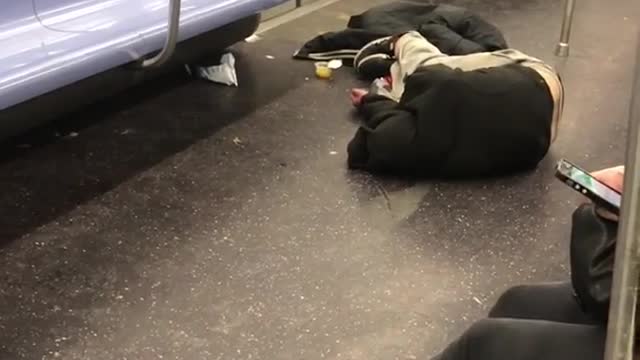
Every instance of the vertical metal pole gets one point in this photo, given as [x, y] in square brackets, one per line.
[624, 292]
[562, 49]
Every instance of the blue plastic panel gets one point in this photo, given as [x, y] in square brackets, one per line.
[70, 40]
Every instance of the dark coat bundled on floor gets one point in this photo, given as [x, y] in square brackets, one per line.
[448, 123]
[593, 248]
[451, 123]
[455, 31]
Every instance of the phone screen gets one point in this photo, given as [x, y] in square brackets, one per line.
[589, 182]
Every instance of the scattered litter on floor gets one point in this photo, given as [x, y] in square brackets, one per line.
[72, 134]
[323, 71]
[225, 73]
[270, 57]
[477, 300]
[333, 152]
[335, 64]
[237, 141]
[253, 38]
[126, 132]
[306, 78]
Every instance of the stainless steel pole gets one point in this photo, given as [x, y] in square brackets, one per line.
[624, 292]
[173, 27]
[562, 49]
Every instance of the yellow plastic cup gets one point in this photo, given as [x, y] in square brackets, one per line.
[323, 71]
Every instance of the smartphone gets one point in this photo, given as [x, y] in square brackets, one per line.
[582, 182]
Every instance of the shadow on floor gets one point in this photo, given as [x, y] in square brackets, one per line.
[53, 169]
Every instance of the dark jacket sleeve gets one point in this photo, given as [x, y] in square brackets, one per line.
[456, 31]
[413, 136]
[448, 41]
[379, 115]
[377, 108]
[474, 28]
[593, 243]
[341, 44]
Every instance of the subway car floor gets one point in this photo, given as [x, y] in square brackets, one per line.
[186, 220]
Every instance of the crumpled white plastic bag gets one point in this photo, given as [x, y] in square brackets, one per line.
[225, 73]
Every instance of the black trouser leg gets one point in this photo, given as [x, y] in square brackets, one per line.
[552, 302]
[518, 339]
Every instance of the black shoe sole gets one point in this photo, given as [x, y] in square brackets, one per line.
[375, 66]
[378, 46]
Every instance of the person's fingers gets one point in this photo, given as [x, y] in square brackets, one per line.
[613, 177]
[354, 97]
[613, 170]
[357, 95]
[354, 100]
[606, 214]
[358, 91]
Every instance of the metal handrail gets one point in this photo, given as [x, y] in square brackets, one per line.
[172, 37]
[562, 49]
[624, 293]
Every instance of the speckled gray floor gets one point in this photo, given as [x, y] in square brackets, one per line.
[190, 221]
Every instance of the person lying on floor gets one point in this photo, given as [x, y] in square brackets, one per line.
[554, 321]
[431, 114]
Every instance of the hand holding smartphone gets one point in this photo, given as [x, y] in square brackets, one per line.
[585, 183]
[613, 177]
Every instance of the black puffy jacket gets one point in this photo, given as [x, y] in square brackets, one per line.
[454, 30]
[451, 123]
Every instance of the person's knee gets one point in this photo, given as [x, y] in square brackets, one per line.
[479, 339]
[486, 331]
[509, 302]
